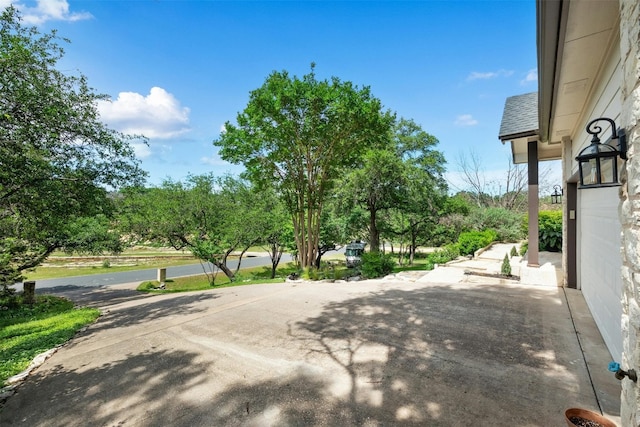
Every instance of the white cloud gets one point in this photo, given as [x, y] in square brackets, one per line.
[213, 161]
[465, 120]
[141, 150]
[157, 115]
[45, 10]
[475, 75]
[532, 76]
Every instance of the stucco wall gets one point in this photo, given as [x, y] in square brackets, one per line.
[630, 206]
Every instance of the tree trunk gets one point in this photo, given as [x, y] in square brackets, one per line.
[275, 254]
[374, 233]
[242, 254]
[223, 266]
[412, 250]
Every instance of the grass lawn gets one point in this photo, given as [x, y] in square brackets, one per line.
[60, 264]
[246, 276]
[335, 270]
[26, 331]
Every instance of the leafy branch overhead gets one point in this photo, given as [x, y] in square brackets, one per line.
[58, 158]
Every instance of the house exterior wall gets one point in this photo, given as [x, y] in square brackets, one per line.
[605, 102]
[598, 224]
[630, 206]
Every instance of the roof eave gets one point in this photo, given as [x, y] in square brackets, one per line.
[511, 137]
[550, 21]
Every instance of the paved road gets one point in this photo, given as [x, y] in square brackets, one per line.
[116, 278]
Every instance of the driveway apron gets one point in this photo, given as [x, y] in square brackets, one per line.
[371, 353]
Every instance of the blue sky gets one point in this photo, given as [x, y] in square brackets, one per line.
[177, 70]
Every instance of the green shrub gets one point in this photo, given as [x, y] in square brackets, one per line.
[310, 273]
[444, 255]
[523, 248]
[514, 252]
[506, 223]
[106, 264]
[471, 241]
[330, 271]
[550, 231]
[506, 266]
[376, 264]
[327, 271]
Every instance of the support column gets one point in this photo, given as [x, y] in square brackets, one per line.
[533, 203]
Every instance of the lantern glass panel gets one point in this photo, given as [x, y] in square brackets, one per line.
[607, 170]
[589, 173]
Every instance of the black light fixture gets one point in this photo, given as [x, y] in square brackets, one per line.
[556, 197]
[599, 162]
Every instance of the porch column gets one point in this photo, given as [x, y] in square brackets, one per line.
[532, 163]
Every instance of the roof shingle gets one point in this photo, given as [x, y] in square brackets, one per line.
[520, 116]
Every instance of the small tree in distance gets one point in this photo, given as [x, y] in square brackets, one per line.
[506, 266]
[508, 192]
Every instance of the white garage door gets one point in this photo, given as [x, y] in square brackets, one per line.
[599, 263]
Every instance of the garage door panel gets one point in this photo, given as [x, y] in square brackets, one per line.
[600, 262]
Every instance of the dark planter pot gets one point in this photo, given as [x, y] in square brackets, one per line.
[591, 418]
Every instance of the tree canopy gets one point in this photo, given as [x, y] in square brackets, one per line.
[402, 179]
[57, 159]
[213, 217]
[298, 134]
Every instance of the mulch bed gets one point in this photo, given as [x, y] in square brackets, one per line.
[497, 276]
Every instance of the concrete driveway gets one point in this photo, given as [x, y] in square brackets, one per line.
[373, 353]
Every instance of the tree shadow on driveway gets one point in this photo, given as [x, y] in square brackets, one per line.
[433, 356]
[94, 296]
[436, 355]
[160, 309]
[120, 392]
[443, 356]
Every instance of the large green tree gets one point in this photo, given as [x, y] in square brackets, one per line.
[426, 191]
[298, 134]
[417, 217]
[379, 184]
[57, 159]
[403, 178]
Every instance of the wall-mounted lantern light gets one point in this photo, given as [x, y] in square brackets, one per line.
[556, 196]
[598, 162]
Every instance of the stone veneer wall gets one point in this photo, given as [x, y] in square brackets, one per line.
[630, 207]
